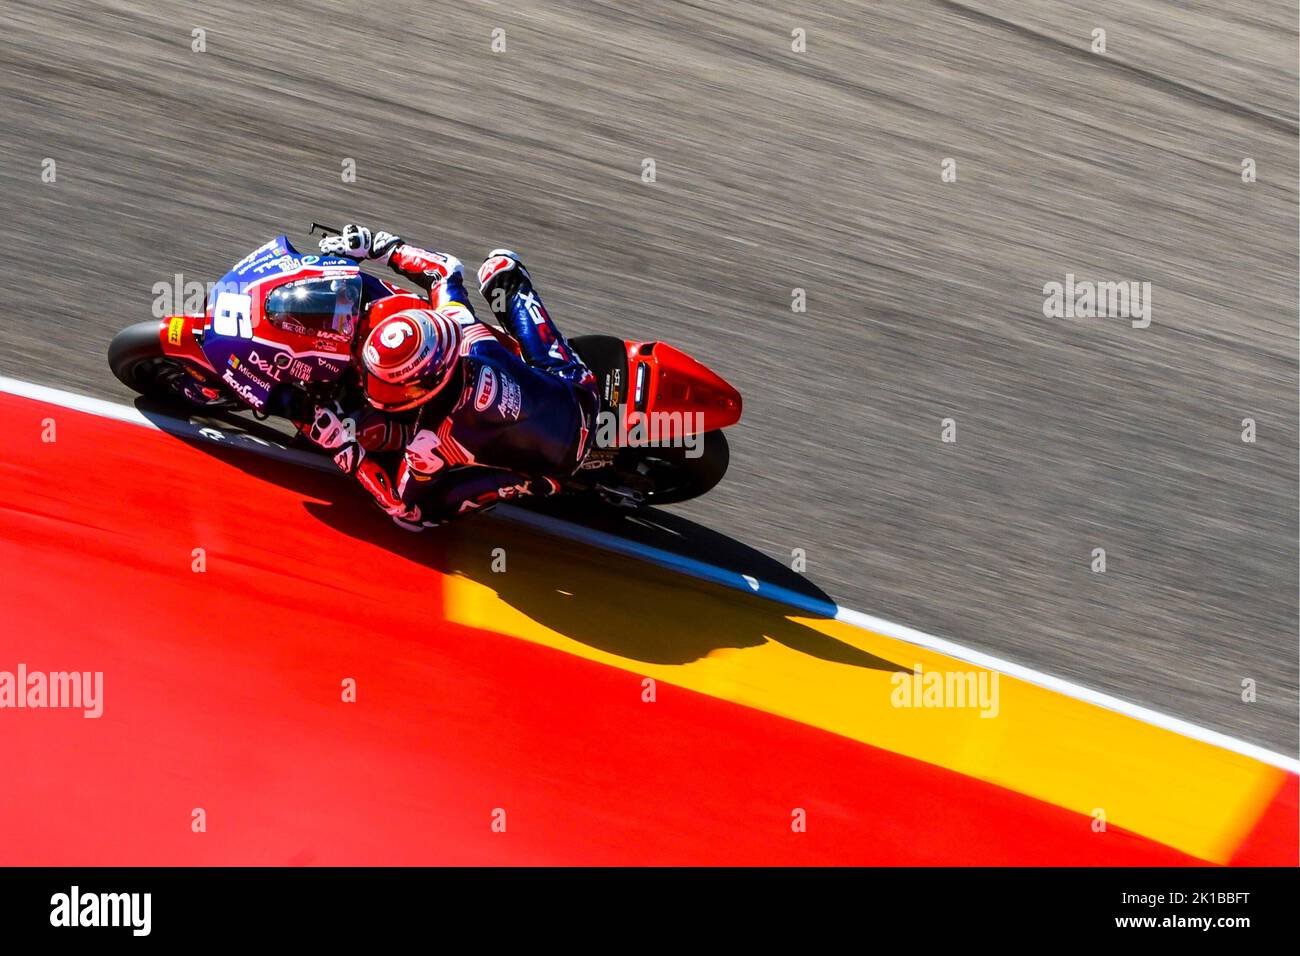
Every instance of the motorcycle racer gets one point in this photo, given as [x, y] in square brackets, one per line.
[470, 416]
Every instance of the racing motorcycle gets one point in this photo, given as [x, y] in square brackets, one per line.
[659, 435]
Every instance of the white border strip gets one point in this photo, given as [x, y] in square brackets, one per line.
[693, 567]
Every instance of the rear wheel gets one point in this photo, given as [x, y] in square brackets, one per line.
[137, 359]
[673, 475]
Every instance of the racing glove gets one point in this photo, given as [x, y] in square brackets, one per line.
[338, 433]
[357, 242]
[351, 460]
[376, 481]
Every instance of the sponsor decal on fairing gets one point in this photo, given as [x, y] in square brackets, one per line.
[244, 391]
[175, 329]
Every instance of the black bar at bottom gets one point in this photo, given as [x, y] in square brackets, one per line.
[684, 905]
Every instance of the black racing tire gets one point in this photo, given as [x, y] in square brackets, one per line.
[132, 352]
[678, 477]
[137, 359]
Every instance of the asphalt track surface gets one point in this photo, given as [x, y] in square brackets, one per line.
[777, 170]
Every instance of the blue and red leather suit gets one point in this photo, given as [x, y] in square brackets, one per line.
[518, 416]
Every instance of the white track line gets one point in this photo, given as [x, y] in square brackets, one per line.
[695, 568]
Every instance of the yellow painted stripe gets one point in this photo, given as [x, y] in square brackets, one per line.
[628, 614]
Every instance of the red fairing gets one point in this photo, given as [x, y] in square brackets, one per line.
[180, 336]
[665, 380]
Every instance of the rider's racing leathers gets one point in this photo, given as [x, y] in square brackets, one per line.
[518, 415]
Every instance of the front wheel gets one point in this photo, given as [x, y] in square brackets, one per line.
[137, 359]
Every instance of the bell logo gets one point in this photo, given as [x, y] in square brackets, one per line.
[486, 391]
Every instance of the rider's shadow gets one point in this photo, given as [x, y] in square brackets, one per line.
[617, 604]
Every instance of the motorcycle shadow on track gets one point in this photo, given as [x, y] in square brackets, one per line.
[616, 604]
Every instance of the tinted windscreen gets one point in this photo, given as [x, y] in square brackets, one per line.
[319, 305]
